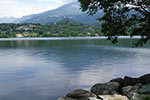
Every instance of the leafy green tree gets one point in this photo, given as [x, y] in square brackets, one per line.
[47, 34]
[66, 28]
[121, 17]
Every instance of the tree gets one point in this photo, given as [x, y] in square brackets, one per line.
[121, 17]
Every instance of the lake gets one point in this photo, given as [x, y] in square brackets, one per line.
[45, 69]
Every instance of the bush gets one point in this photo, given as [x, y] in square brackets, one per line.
[146, 98]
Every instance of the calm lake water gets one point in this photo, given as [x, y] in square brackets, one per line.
[48, 69]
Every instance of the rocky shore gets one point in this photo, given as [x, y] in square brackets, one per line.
[126, 88]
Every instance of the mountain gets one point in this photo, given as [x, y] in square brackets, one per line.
[24, 18]
[8, 19]
[69, 11]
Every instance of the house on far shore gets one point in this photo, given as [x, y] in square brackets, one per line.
[97, 35]
[26, 27]
[19, 35]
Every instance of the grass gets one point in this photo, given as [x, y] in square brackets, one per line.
[146, 98]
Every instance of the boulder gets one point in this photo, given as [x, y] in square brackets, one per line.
[106, 88]
[80, 94]
[145, 79]
[119, 80]
[145, 89]
[130, 81]
[137, 96]
[93, 98]
[66, 98]
[113, 97]
[130, 90]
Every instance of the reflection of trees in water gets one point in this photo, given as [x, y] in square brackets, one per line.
[48, 43]
[74, 54]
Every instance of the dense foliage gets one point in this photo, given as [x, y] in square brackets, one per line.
[122, 17]
[146, 98]
[64, 28]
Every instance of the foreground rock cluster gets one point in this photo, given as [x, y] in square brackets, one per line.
[117, 89]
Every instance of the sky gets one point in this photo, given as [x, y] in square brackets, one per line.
[19, 8]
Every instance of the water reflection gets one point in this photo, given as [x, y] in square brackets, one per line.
[45, 70]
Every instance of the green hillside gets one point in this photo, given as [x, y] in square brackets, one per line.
[65, 28]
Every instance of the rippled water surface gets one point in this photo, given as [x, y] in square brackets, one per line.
[48, 69]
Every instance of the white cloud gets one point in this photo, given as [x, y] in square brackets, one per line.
[18, 8]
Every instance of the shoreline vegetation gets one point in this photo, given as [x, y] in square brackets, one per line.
[126, 88]
[65, 28]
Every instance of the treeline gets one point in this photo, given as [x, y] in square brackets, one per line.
[65, 28]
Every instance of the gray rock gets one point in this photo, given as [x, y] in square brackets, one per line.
[66, 98]
[130, 81]
[119, 80]
[113, 97]
[145, 79]
[137, 96]
[93, 98]
[80, 94]
[106, 88]
[145, 89]
[130, 90]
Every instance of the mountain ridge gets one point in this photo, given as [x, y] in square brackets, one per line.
[69, 11]
[8, 19]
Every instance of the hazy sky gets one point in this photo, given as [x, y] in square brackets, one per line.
[18, 8]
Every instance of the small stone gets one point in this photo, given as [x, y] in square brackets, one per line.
[106, 88]
[80, 94]
[145, 89]
[113, 97]
[145, 79]
[119, 80]
[92, 98]
[129, 90]
[130, 81]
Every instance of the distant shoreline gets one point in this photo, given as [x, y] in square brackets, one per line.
[65, 38]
